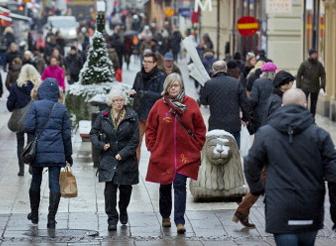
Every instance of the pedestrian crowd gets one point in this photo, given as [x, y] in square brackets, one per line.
[289, 162]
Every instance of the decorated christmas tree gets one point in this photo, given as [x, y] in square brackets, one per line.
[98, 67]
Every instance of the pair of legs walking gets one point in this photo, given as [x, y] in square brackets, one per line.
[313, 101]
[110, 194]
[54, 195]
[180, 196]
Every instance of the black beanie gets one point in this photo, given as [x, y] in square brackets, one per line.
[312, 51]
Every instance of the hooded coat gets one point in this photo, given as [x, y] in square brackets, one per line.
[123, 140]
[172, 149]
[298, 157]
[54, 145]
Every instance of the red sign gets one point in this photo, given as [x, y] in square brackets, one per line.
[247, 25]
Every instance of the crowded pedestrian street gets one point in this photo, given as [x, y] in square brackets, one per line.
[207, 223]
[149, 122]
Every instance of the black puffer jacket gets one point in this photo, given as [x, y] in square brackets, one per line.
[261, 91]
[298, 156]
[123, 141]
[226, 97]
[148, 87]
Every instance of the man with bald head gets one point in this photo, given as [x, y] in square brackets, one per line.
[298, 157]
[226, 98]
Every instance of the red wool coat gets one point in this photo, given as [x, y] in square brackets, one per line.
[172, 149]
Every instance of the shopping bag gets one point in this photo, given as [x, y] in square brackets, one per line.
[68, 183]
[246, 141]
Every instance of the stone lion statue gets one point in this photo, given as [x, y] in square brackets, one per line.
[220, 176]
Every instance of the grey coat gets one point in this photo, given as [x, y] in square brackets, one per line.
[123, 141]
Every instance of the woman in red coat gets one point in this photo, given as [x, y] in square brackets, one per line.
[175, 134]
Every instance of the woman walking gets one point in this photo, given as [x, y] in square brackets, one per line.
[49, 120]
[115, 132]
[19, 97]
[175, 135]
[54, 70]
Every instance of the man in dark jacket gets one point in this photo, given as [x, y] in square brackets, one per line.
[299, 156]
[147, 88]
[73, 64]
[311, 77]
[226, 97]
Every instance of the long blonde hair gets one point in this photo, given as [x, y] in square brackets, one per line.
[28, 73]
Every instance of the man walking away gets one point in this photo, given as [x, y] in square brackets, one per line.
[226, 97]
[147, 88]
[311, 77]
[299, 157]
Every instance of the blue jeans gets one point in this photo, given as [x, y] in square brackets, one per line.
[54, 173]
[296, 239]
[180, 197]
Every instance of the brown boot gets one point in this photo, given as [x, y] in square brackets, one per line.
[166, 222]
[180, 229]
[243, 219]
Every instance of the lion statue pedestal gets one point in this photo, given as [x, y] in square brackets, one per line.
[220, 176]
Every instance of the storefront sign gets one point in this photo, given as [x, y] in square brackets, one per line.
[248, 25]
[279, 6]
[204, 5]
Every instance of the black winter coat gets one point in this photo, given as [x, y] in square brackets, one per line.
[124, 141]
[149, 87]
[298, 156]
[261, 91]
[274, 103]
[311, 76]
[54, 145]
[19, 97]
[226, 97]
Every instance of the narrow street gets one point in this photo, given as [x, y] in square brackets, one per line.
[206, 223]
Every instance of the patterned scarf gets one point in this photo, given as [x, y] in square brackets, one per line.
[117, 117]
[175, 104]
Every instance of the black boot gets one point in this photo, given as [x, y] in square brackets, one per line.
[124, 199]
[54, 199]
[110, 194]
[34, 198]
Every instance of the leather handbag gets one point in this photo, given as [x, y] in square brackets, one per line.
[16, 121]
[68, 183]
[29, 151]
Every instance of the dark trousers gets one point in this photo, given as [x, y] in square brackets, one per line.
[180, 197]
[53, 172]
[296, 239]
[110, 194]
[20, 138]
[332, 199]
[313, 101]
[236, 135]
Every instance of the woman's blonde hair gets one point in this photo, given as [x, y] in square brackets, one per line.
[171, 78]
[28, 73]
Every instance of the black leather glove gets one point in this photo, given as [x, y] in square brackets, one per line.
[69, 160]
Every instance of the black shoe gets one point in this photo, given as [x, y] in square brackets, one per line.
[34, 198]
[33, 219]
[123, 218]
[20, 174]
[112, 227]
[54, 199]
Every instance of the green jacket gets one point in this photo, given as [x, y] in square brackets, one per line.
[311, 76]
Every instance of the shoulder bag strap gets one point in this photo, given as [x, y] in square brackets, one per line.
[45, 124]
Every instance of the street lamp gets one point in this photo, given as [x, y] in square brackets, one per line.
[101, 8]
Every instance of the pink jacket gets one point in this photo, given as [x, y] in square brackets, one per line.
[55, 72]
